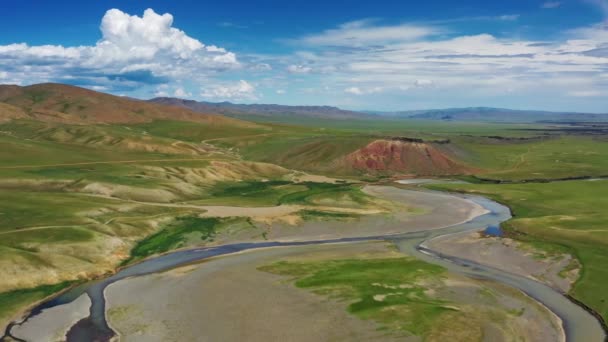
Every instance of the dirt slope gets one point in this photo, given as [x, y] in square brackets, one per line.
[8, 112]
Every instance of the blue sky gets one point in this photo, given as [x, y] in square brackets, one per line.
[381, 55]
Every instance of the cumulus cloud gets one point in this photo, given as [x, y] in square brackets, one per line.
[280, 91]
[132, 51]
[238, 91]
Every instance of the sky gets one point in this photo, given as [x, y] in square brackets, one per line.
[361, 55]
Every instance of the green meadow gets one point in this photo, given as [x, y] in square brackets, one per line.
[357, 282]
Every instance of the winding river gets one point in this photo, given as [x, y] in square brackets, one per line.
[578, 324]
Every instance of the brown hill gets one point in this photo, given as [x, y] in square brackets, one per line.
[69, 104]
[8, 112]
[390, 156]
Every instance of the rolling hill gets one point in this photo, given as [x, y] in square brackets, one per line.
[52, 102]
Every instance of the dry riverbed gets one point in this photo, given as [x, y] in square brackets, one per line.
[413, 211]
[558, 271]
[231, 299]
[54, 323]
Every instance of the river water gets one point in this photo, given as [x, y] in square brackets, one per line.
[579, 325]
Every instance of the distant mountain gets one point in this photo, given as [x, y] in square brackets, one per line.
[282, 113]
[488, 114]
[65, 103]
[54, 102]
[263, 110]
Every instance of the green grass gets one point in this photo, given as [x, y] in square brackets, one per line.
[46, 236]
[540, 159]
[316, 215]
[315, 153]
[196, 132]
[12, 301]
[252, 193]
[25, 147]
[174, 235]
[414, 128]
[406, 309]
[183, 231]
[560, 216]
[277, 192]
[21, 209]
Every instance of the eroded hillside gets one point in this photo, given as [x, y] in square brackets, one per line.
[399, 156]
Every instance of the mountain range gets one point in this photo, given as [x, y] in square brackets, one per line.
[65, 103]
[262, 110]
[268, 112]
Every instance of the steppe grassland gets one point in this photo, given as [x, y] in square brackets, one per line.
[97, 182]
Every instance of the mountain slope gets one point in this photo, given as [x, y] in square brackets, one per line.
[8, 112]
[63, 103]
[264, 110]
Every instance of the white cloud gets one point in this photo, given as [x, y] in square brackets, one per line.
[362, 33]
[181, 93]
[299, 69]
[509, 17]
[241, 90]
[281, 91]
[362, 91]
[587, 93]
[161, 93]
[261, 67]
[126, 36]
[423, 83]
[479, 65]
[551, 4]
[229, 24]
[132, 51]
[354, 91]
